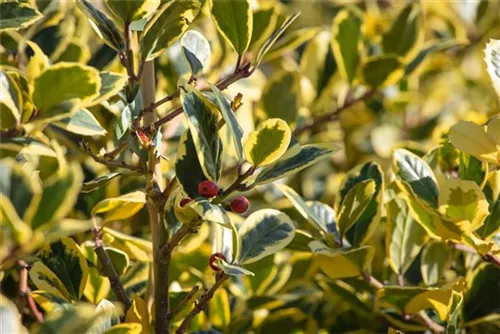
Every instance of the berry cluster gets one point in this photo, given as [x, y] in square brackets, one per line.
[208, 189]
[239, 204]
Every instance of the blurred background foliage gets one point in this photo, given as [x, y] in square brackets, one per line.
[403, 82]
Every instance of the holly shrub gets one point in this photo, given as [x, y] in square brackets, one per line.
[237, 166]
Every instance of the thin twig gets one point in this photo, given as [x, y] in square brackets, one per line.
[193, 226]
[401, 280]
[243, 72]
[221, 277]
[183, 302]
[110, 163]
[421, 317]
[109, 270]
[25, 293]
[424, 319]
[372, 280]
[11, 133]
[116, 151]
[490, 258]
[322, 119]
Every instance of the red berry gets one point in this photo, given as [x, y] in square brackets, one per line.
[185, 201]
[239, 204]
[213, 257]
[208, 189]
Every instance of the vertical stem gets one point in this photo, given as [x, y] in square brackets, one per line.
[154, 185]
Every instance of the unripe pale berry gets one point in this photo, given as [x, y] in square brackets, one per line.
[185, 201]
[239, 204]
[212, 259]
[208, 188]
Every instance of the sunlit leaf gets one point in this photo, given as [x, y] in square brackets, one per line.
[416, 177]
[263, 233]
[196, 49]
[354, 204]
[121, 207]
[342, 263]
[472, 139]
[268, 143]
[103, 26]
[234, 21]
[132, 10]
[202, 120]
[404, 236]
[347, 43]
[167, 25]
[492, 60]
[65, 81]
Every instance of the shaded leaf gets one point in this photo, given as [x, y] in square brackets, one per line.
[404, 34]
[66, 261]
[102, 25]
[98, 182]
[16, 15]
[382, 71]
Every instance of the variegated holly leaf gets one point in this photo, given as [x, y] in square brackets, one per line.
[136, 248]
[234, 21]
[132, 10]
[102, 25]
[63, 82]
[62, 269]
[412, 300]
[167, 25]
[268, 143]
[196, 49]
[415, 177]
[354, 204]
[233, 270]
[342, 263]
[473, 139]
[404, 236]
[492, 59]
[228, 114]
[59, 195]
[463, 203]
[274, 37]
[82, 123]
[289, 164]
[367, 223]
[347, 42]
[17, 15]
[263, 233]
[202, 116]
